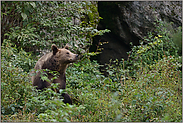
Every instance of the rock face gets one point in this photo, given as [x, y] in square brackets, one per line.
[130, 22]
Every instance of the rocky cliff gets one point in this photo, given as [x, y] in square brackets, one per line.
[130, 22]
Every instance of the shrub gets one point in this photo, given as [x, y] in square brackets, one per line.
[15, 83]
[40, 24]
[147, 87]
[20, 101]
[154, 47]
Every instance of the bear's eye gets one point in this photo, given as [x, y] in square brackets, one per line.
[67, 53]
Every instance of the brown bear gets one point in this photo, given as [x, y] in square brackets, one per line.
[57, 60]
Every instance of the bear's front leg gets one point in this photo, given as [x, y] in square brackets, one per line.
[67, 98]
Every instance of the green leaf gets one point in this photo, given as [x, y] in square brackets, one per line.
[77, 65]
[24, 16]
[33, 4]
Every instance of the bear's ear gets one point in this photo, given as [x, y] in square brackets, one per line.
[54, 48]
[66, 47]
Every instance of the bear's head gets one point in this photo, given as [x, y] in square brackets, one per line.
[63, 56]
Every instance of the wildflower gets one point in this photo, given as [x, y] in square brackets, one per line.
[160, 36]
[155, 43]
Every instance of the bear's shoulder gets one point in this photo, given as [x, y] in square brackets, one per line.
[45, 58]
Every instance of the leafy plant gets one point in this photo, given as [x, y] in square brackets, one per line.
[147, 87]
[45, 23]
[15, 83]
[153, 48]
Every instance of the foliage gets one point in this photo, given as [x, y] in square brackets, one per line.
[149, 97]
[147, 87]
[15, 82]
[44, 23]
[19, 98]
[17, 58]
[155, 46]
[155, 87]
[176, 35]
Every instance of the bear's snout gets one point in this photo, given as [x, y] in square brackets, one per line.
[76, 57]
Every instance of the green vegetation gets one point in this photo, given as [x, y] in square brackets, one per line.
[146, 87]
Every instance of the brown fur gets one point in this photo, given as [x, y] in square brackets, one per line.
[57, 60]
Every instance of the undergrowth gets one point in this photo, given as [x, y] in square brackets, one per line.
[145, 88]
